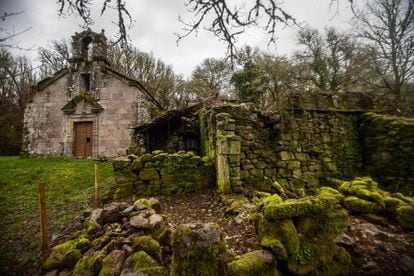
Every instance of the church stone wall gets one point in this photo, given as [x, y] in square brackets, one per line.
[49, 131]
[121, 112]
[45, 122]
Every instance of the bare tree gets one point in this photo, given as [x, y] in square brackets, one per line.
[228, 21]
[388, 26]
[158, 77]
[83, 9]
[7, 35]
[53, 57]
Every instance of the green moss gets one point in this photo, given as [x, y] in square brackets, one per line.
[149, 174]
[145, 202]
[275, 246]
[289, 236]
[392, 203]
[136, 165]
[100, 242]
[64, 255]
[334, 183]
[405, 217]
[201, 257]
[147, 244]
[223, 186]
[358, 205]
[141, 260]
[82, 243]
[406, 199]
[266, 201]
[91, 228]
[250, 264]
[279, 189]
[328, 191]
[90, 264]
[299, 207]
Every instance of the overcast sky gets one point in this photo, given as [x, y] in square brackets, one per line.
[156, 22]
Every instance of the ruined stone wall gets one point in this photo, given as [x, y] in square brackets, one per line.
[313, 145]
[45, 122]
[243, 139]
[388, 147]
[162, 173]
[302, 148]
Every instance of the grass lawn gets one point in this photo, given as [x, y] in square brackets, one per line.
[69, 191]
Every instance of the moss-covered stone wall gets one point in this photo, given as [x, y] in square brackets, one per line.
[388, 144]
[249, 144]
[162, 173]
[313, 145]
[299, 147]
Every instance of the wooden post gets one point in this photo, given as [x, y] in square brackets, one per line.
[97, 194]
[43, 220]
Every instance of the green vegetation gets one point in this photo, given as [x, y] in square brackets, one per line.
[69, 190]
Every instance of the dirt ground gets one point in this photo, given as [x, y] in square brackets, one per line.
[378, 246]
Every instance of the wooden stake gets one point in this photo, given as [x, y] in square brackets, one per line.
[97, 194]
[43, 220]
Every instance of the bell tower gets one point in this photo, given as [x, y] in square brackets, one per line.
[88, 56]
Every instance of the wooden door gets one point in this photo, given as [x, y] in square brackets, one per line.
[83, 138]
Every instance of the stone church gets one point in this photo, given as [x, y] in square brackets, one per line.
[86, 109]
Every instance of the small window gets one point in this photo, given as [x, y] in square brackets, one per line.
[85, 82]
[86, 47]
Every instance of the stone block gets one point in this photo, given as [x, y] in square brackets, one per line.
[293, 165]
[149, 174]
[285, 156]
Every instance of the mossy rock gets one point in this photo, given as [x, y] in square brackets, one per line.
[141, 262]
[90, 264]
[299, 207]
[373, 196]
[405, 216]
[279, 189]
[283, 230]
[136, 165]
[149, 174]
[112, 264]
[328, 191]
[64, 255]
[100, 242]
[406, 199]
[145, 202]
[198, 249]
[358, 205]
[82, 243]
[275, 246]
[319, 255]
[392, 203]
[91, 227]
[259, 262]
[148, 245]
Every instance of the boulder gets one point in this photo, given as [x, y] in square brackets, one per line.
[64, 255]
[110, 213]
[112, 264]
[139, 222]
[259, 262]
[140, 263]
[198, 250]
